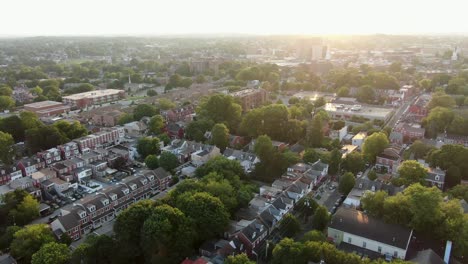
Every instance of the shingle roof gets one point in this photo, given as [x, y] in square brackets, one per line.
[427, 256]
[357, 223]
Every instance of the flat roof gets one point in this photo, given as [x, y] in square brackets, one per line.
[245, 92]
[43, 104]
[93, 94]
[366, 111]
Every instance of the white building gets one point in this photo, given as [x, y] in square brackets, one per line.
[358, 139]
[357, 230]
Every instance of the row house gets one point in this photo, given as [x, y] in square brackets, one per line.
[69, 150]
[42, 175]
[50, 156]
[135, 128]
[267, 209]
[65, 168]
[95, 210]
[246, 159]
[435, 176]
[452, 139]
[98, 168]
[83, 174]
[389, 160]
[192, 151]
[103, 138]
[314, 172]
[27, 184]
[30, 165]
[8, 174]
[184, 113]
[408, 132]
[163, 178]
[362, 186]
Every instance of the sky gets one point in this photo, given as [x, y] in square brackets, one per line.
[265, 17]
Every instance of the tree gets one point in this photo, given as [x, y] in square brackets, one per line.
[372, 175]
[6, 103]
[366, 94]
[425, 207]
[156, 124]
[221, 109]
[208, 213]
[5, 90]
[148, 146]
[238, 259]
[411, 172]
[441, 100]
[69, 130]
[220, 136]
[334, 162]
[52, 253]
[29, 120]
[99, 249]
[321, 218]
[7, 152]
[143, 110]
[438, 120]
[343, 92]
[8, 236]
[168, 161]
[425, 84]
[166, 104]
[164, 138]
[13, 125]
[230, 170]
[374, 144]
[354, 162]
[151, 92]
[196, 129]
[29, 240]
[397, 209]
[288, 251]
[128, 226]
[373, 203]
[41, 138]
[347, 182]
[152, 162]
[315, 133]
[314, 235]
[310, 155]
[125, 118]
[320, 102]
[419, 149]
[36, 91]
[290, 225]
[162, 233]
[460, 192]
[26, 211]
[263, 147]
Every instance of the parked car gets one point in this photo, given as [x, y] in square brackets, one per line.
[359, 174]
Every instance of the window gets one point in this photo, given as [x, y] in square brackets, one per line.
[395, 254]
[437, 177]
[364, 244]
[349, 240]
[379, 249]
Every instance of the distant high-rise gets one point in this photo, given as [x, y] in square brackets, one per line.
[311, 49]
[455, 53]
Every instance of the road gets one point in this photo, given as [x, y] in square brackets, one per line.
[107, 228]
[400, 112]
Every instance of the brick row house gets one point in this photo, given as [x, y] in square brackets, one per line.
[103, 138]
[196, 152]
[97, 209]
[267, 209]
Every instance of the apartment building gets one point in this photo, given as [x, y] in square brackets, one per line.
[82, 100]
[250, 98]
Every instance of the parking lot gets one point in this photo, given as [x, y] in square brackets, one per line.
[329, 195]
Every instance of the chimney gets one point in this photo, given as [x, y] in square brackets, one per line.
[341, 220]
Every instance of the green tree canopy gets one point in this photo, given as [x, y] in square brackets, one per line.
[152, 161]
[7, 152]
[208, 213]
[321, 218]
[374, 145]
[168, 161]
[156, 124]
[354, 162]
[263, 147]
[143, 110]
[220, 136]
[221, 109]
[289, 225]
[52, 253]
[347, 182]
[29, 240]
[148, 146]
[238, 259]
[410, 172]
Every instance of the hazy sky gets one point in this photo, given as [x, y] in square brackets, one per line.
[136, 17]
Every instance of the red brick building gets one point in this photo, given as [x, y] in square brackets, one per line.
[250, 98]
[82, 100]
[47, 108]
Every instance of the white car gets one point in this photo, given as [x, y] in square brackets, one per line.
[359, 174]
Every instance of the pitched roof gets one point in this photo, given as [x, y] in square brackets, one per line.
[427, 256]
[161, 173]
[357, 223]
